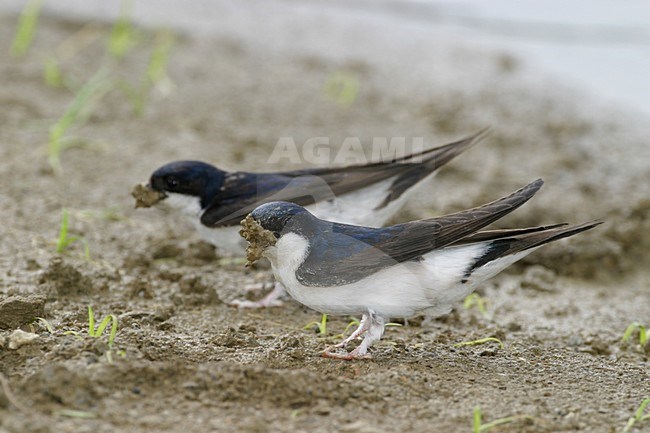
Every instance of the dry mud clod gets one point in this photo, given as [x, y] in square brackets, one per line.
[258, 239]
[146, 196]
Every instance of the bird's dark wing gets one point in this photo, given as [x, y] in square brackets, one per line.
[344, 254]
[242, 192]
[506, 242]
[407, 169]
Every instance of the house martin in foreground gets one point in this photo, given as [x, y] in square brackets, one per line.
[419, 267]
[216, 201]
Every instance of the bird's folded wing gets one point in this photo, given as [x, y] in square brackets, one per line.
[362, 251]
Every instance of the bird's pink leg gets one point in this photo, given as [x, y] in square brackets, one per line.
[373, 327]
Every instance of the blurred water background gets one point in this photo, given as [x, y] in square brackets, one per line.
[600, 47]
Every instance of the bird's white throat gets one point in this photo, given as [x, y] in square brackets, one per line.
[186, 204]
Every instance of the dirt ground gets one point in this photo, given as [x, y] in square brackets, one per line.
[183, 360]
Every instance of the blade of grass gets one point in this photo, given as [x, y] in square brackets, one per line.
[157, 68]
[476, 424]
[26, 28]
[479, 427]
[123, 35]
[41, 321]
[98, 84]
[52, 73]
[481, 304]
[638, 416]
[321, 326]
[480, 341]
[102, 326]
[643, 335]
[342, 87]
[64, 240]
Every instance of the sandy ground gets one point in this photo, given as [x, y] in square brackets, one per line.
[183, 360]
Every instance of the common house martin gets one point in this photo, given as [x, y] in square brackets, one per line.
[419, 267]
[216, 200]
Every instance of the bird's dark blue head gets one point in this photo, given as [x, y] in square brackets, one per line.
[280, 217]
[192, 178]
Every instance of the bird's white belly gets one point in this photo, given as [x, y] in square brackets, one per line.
[430, 286]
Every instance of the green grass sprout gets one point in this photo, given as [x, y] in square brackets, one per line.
[479, 427]
[71, 413]
[26, 28]
[52, 73]
[639, 415]
[643, 333]
[157, 68]
[476, 300]
[76, 113]
[321, 326]
[97, 332]
[480, 341]
[65, 240]
[44, 324]
[155, 76]
[123, 36]
[342, 87]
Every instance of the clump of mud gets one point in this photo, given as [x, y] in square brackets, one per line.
[65, 280]
[146, 196]
[259, 239]
[20, 310]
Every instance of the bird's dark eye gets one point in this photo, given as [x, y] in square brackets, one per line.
[172, 182]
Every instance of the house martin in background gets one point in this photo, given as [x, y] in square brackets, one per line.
[216, 200]
[419, 267]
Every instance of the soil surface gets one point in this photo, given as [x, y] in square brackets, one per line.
[184, 361]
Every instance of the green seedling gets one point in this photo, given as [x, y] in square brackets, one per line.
[157, 68]
[107, 214]
[52, 73]
[76, 114]
[476, 300]
[342, 87]
[65, 240]
[643, 334]
[156, 75]
[42, 323]
[480, 341]
[97, 332]
[639, 415]
[479, 427]
[321, 326]
[26, 28]
[123, 36]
